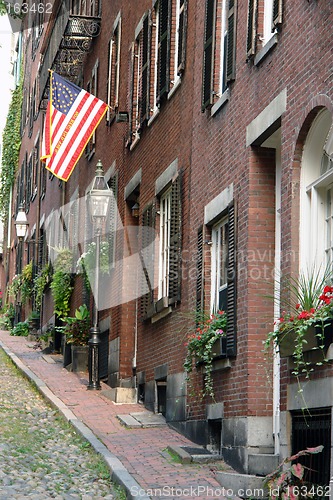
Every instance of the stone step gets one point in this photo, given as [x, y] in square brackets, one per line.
[242, 485]
[142, 419]
[262, 464]
[120, 395]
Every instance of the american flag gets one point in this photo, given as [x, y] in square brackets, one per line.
[71, 118]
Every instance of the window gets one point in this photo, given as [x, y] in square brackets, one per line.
[316, 197]
[29, 180]
[329, 226]
[162, 57]
[140, 65]
[92, 89]
[219, 49]
[157, 61]
[167, 221]
[113, 71]
[264, 16]
[169, 42]
[37, 26]
[216, 267]
[220, 248]
[112, 219]
[164, 256]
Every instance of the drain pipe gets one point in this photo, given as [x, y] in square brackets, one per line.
[276, 360]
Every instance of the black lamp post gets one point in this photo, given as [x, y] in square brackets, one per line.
[99, 199]
[21, 225]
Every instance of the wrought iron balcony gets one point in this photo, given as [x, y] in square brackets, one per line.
[69, 36]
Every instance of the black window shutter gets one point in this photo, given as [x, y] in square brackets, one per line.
[252, 28]
[130, 91]
[182, 36]
[277, 13]
[231, 41]
[163, 64]
[113, 185]
[147, 259]
[175, 242]
[109, 80]
[200, 272]
[231, 290]
[145, 70]
[207, 74]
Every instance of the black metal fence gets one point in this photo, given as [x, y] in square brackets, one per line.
[311, 428]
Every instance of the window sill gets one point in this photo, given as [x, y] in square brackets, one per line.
[135, 142]
[162, 314]
[153, 117]
[220, 103]
[221, 364]
[175, 87]
[266, 49]
[159, 309]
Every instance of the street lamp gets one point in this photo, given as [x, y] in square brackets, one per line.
[99, 199]
[21, 223]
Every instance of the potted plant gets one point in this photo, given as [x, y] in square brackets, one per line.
[288, 481]
[77, 331]
[203, 346]
[307, 325]
[34, 320]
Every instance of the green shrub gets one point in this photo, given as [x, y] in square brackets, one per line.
[20, 329]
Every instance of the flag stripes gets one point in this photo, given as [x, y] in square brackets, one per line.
[71, 119]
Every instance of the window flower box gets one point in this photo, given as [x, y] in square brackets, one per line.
[289, 339]
[308, 326]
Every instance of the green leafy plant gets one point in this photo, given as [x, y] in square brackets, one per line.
[11, 146]
[7, 316]
[87, 262]
[21, 329]
[77, 328]
[288, 481]
[22, 284]
[62, 286]
[200, 346]
[40, 283]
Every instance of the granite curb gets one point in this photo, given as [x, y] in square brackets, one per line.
[119, 473]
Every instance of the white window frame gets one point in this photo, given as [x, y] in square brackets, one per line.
[164, 246]
[313, 197]
[176, 77]
[216, 287]
[268, 16]
[114, 65]
[224, 33]
[156, 26]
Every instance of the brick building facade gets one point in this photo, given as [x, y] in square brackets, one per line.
[218, 128]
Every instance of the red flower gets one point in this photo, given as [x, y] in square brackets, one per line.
[298, 306]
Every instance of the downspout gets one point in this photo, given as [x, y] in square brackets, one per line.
[277, 275]
[9, 235]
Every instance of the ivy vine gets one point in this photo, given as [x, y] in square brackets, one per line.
[11, 149]
[3, 9]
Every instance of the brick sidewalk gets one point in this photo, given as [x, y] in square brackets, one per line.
[140, 450]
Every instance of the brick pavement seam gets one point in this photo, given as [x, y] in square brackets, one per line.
[119, 473]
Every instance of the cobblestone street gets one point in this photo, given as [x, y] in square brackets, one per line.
[40, 454]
